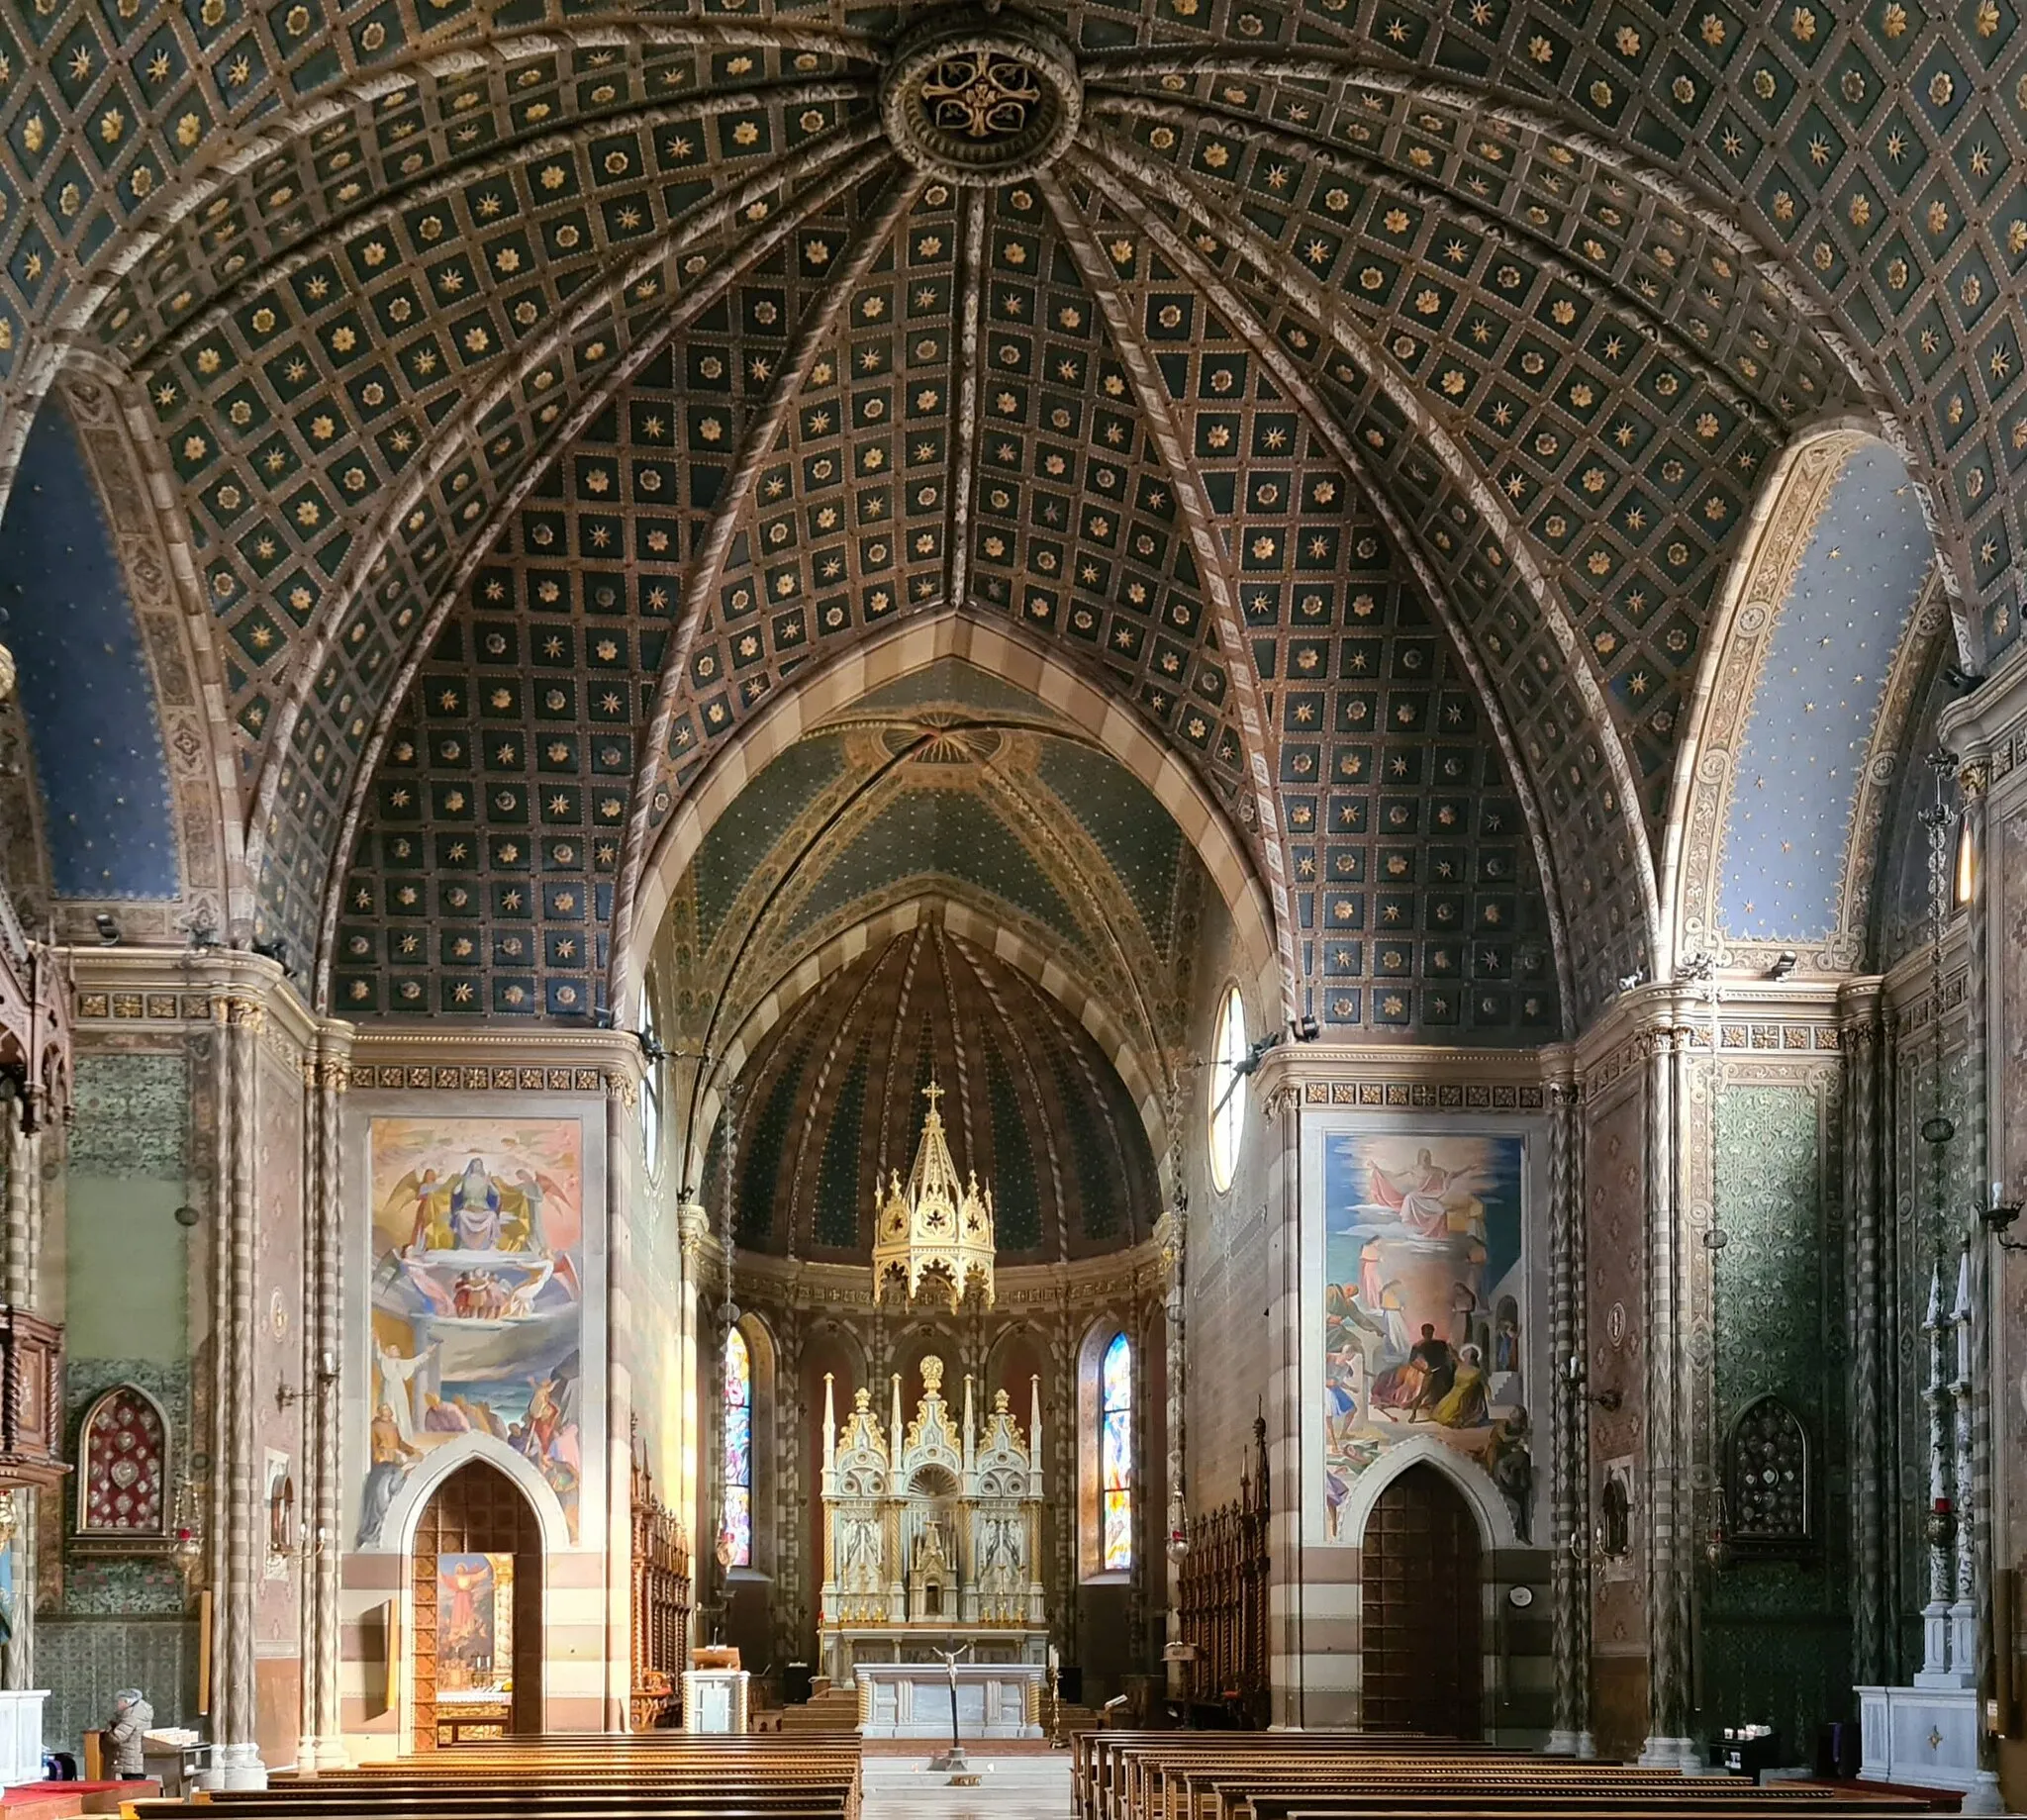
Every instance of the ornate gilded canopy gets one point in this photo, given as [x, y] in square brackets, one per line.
[935, 1233]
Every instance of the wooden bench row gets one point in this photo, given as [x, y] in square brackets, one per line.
[1169, 1775]
[649, 1776]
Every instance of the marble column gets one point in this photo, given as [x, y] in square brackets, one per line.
[327, 1510]
[1669, 1567]
[693, 1235]
[22, 1256]
[1171, 1237]
[1569, 1438]
[622, 1160]
[1873, 1606]
[233, 1687]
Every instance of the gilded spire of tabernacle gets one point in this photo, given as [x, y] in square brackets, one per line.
[934, 1233]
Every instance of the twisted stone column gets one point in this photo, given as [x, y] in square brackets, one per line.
[1668, 1386]
[23, 1249]
[325, 1074]
[232, 1700]
[1170, 1234]
[1872, 1610]
[1569, 1433]
[622, 1096]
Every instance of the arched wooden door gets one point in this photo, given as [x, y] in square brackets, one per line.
[1423, 1652]
[476, 1574]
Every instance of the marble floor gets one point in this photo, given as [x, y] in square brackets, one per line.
[1010, 1788]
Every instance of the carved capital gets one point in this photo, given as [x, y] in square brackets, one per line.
[240, 1012]
[1973, 779]
[623, 1088]
[693, 1230]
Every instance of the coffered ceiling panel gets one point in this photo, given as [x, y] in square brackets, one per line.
[532, 362]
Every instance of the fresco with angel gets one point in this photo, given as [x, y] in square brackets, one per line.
[1422, 1298]
[477, 1296]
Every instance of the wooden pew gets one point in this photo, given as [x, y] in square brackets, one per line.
[635, 1777]
[1168, 1775]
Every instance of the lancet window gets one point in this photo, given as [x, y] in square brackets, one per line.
[1115, 1455]
[736, 1530]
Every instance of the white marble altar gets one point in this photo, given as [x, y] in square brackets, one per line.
[911, 1699]
[21, 1734]
[1926, 1737]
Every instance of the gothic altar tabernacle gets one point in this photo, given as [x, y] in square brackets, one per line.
[930, 1540]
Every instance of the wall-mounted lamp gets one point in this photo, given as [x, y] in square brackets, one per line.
[1628, 981]
[1997, 1217]
[1783, 965]
[286, 1397]
[1572, 1374]
[650, 1046]
[1305, 1029]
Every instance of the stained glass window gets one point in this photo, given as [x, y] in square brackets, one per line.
[1115, 1452]
[735, 1538]
[1227, 1089]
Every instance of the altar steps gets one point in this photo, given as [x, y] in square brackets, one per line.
[831, 1709]
[1072, 1718]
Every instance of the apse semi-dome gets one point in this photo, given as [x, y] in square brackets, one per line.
[832, 1102]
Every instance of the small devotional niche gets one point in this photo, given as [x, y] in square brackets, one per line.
[122, 1473]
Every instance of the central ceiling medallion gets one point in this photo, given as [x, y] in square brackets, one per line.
[934, 1236]
[981, 99]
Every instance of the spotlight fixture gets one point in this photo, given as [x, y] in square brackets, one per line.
[1959, 678]
[109, 931]
[276, 951]
[1249, 1062]
[1305, 1029]
[650, 1046]
[1627, 981]
[1783, 965]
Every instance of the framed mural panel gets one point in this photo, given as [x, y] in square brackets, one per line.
[1425, 1312]
[477, 1296]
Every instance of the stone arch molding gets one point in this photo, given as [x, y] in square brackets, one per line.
[650, 878]
[423, 1483]
[1487, 1506]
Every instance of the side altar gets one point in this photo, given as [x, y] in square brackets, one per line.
[932, 1540]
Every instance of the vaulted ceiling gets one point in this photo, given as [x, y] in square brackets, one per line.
[830, 1107]
[1370, 396]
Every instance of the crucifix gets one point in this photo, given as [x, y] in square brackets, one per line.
[954, 1760]
[932, 1093]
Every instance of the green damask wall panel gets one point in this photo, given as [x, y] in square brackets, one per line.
[1776, 1634]
[128, 1173]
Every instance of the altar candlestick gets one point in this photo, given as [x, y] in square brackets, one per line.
[1035, 1425]
[830, 1423]
[970, 1438]
[894, 1439]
